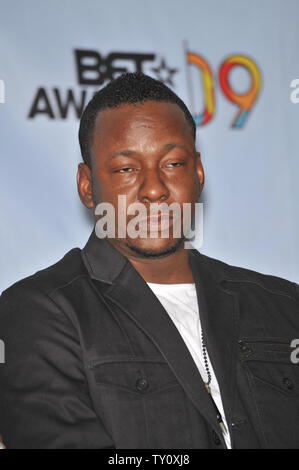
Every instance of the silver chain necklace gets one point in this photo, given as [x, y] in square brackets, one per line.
[208, 388]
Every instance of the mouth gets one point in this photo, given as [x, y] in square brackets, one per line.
[156, 223]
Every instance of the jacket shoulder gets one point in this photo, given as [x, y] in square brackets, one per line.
[47, 280]
[237, 274]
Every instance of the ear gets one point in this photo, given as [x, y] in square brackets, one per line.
[200, 172]
[84, 185]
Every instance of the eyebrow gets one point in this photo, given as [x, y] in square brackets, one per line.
[165, 148]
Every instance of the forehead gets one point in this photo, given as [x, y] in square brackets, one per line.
[130, 124]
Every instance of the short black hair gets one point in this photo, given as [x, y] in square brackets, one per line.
[129, 88]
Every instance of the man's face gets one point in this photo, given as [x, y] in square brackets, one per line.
[145, 152]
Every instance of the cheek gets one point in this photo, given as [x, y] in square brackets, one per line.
[110, 185]
[185, 189]
[194, 184]
[103, 189]
[120, 198]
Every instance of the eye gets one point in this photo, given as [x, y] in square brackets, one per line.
[175, 164]
[126, 169]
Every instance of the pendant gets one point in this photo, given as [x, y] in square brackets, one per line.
[218, 414]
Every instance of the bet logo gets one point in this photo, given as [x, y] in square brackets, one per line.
[94, 69]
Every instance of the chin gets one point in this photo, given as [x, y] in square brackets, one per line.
[154, 248]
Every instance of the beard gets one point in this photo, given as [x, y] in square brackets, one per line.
[159, 253]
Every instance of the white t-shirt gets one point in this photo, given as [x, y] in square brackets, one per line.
[180, 302]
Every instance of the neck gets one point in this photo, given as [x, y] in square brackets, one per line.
[171, 269]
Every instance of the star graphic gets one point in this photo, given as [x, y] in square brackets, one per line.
[164, 73]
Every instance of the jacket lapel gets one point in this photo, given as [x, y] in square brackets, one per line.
[128, 290]
[219, 313]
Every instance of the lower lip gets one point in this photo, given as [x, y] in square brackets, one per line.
[156, 225]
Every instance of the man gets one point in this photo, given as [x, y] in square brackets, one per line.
[138, 342]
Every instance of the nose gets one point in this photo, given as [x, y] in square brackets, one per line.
[153, 188]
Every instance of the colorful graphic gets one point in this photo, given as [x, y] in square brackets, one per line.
[208, 85]
[244, 101]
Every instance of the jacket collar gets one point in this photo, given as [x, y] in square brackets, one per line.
[102, 260]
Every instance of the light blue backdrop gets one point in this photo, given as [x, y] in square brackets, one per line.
[251, 194]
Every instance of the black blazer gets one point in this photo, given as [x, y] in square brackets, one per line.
[94, 361]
